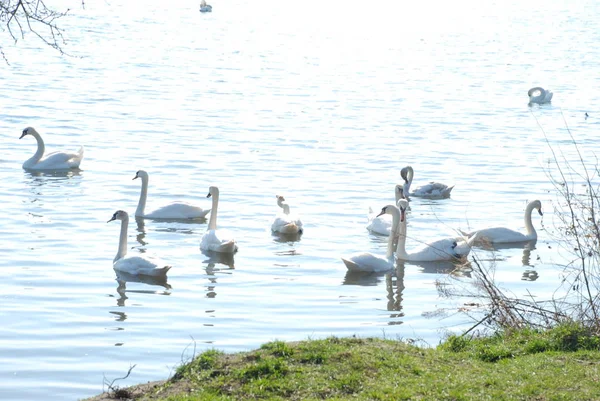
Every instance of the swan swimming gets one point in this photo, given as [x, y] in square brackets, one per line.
[213, 239]
[382, 225]
[502, 235]
[443, 249]
[367, 262]
[175, 210]
[539, 95]
[433, 190]
[133, 264]
[285, 223]
[51, 161]
[205, 8]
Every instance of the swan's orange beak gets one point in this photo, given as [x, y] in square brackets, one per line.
[402, 214]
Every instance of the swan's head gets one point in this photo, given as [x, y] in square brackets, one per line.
[280, 198]
[119, 215]
[538, 205]
[404, 173]
[402, 205]
[212, 191]
[141, 174]
[400, 191]
[28, 131]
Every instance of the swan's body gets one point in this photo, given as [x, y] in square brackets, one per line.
[175, 210]
[205, 8]
[285, 223]
[51, 161]
[433, 190]
[367, 262]
[502, 235]
[216, 240]
[382, 225]
[133, 264]
[539, 95]
[443, 249]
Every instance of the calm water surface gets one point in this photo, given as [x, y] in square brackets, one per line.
[322, 105]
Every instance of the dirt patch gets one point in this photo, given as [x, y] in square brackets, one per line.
[148, 391]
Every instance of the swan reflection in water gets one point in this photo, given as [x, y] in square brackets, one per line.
[124, 278]
[217, 261]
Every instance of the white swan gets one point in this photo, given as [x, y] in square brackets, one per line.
[382, 225]
[502, 235]
[285, 223]
[539, 95]
[433, 190]
[205, 8]
[213, 239]
[175, 210]
[443, 249]
[367, 262]
[133, 264]
[51, 161]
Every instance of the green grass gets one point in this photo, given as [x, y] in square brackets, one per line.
[561, 364]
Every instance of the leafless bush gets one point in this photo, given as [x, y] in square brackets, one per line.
[577, 234]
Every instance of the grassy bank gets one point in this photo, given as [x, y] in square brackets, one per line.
[559, 364]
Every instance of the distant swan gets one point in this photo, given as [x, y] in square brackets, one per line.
[539, 95]
[205, 8]
[433, 190]
[213, 239]
[443, 249]
[133, 264]
[52, 161]
[502, 235]
[382, 225]
[285, 223]
[367, 262]
[175, 210]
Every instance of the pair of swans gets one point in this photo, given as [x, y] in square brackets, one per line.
[205, 8]
[443, 249]
[52, 161]
[174, 210]
[539, 95]
[382, 224]
[285, 223]
[503, 235]
[433, 190]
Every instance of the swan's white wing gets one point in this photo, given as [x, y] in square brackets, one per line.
[443, 249]
[367, 262]
[433, 190]
[381, 225]
[499, 235]
[58, 161]
[286, 225]
[218, 241]
[140, 266]
[178, 210]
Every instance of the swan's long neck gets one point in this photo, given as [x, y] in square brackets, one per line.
[143, 195]
[394, 233]
[528, 224]
[286, 208]
[401, 247]
[409, 176]
[212, 224]
[41, 148]
[122, 240]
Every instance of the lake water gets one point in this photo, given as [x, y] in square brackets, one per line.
[323, 103]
